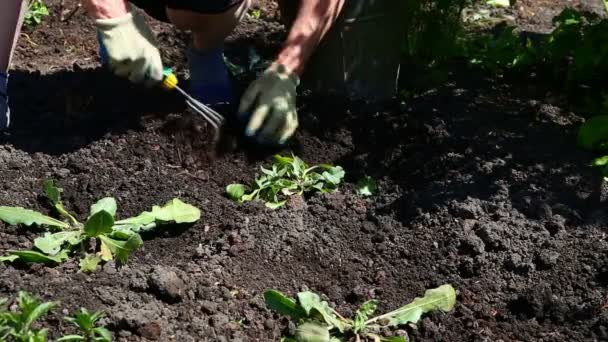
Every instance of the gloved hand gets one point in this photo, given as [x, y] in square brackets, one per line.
[271, 100]
[5, 111]
[131, 48]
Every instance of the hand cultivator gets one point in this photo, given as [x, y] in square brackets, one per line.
[211, 116]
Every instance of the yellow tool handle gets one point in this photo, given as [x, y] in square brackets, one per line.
[169, 80]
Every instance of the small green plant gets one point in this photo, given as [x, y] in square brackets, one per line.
[16, 325]
[366, 187]
[100, 238]
[86, 321]
[36, 11]
[318, 322]
[288, 176]
[256, 13]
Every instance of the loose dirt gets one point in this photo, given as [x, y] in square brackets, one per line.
[481, 186]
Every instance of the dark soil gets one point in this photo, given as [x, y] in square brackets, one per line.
[481, 187]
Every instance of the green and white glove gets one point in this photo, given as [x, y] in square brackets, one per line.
[271, 101]
[131, 48]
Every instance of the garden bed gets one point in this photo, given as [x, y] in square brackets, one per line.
[481, 186]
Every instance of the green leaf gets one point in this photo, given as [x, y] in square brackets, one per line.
[99, 223]
[311, 304]
[601, 161]
[122, 249]
[105, 253]
[51, 243]
[52, 191]
[54, 195]
[393, 339]
[282, 304]
[174, 211]
[89, 263]
[312, 332]
[593, 133]
[8, 258]
[32, 309]
[107, 204]
[442, 298]
[36, 257]
[366, 187]
[235, 191]
[70, 338]
[334, 175]
[498, 3]
[104, 335]
[367, 309]
[17, 215]
[275, 205]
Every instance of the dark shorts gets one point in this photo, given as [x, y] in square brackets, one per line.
[157, 8]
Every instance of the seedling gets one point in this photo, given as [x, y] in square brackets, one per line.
[288, 176]
[100, 238]
[86, 321]
[36, 11]
[318, 322]
[17, 325]
[367, 187]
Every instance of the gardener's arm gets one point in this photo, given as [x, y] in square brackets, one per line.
[314, 19]
[270, 101]
[129, 44]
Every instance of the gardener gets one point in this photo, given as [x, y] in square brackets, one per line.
[130, 50]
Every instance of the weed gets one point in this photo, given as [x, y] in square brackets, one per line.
[318, 322]
[100, 238]
[86, 321]
[36, 11]
[16, 325]
[288, 176]
[366, 186]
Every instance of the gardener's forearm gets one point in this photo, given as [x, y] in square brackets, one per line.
[314, 19]
[106, 9]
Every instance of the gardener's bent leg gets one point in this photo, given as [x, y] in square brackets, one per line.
[210, 23]
[11, 18]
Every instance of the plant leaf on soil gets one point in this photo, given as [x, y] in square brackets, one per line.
[593, 134]
[51, 243]
[367, 309]
[18, 215]
[173, 211]
[367, 186]
[108, 204]
[89, 263]
[99, 223]
[312, 305]
[282, 304]
[36, 257]
[312, 332]
[235, 191]
[122, 249]
[104, 252]
[442, 298]
[53, 192]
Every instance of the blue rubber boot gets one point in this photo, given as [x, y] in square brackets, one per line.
[210, 80]
[5, 111]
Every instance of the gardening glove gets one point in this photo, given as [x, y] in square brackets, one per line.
[131, 49]
[271, 100]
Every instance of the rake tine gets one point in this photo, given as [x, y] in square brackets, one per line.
[212, 120]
